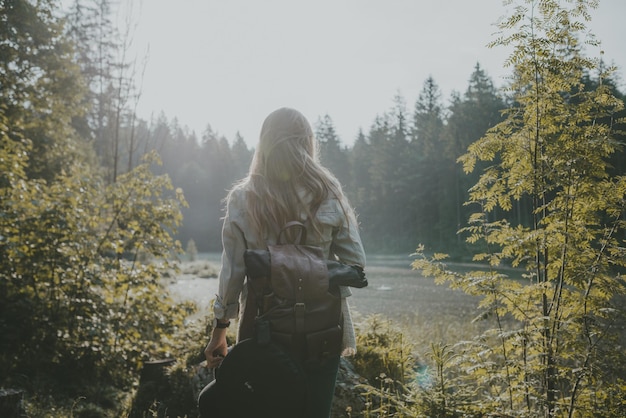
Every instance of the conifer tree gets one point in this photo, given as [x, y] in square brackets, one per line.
[242, 157]
[332, 155]
[429, 171]
[470, 116]
[40, 87]
[359, 190]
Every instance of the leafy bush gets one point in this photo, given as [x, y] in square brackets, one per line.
[76, 305]
[383, 350]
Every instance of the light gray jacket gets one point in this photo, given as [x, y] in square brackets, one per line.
[339, 238]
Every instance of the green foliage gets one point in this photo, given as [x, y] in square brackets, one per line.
[385, 359]
[79, 301]
[40, 86]
[554, 348]
[383, 350]
[441, 397]
[75, 299]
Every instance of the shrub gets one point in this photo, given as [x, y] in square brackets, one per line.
[77, 306]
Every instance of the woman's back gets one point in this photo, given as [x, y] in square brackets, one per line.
[286, 183]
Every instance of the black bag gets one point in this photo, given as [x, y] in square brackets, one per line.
[255, 380]
[294, 299]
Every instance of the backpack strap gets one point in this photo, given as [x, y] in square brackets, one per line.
[300, 239]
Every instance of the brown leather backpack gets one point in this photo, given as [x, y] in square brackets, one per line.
[290, 301]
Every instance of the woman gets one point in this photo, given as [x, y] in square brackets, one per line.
[285, 183]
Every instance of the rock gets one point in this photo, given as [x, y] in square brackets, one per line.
[348, 401]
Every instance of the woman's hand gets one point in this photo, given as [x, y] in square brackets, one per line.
[216, 349]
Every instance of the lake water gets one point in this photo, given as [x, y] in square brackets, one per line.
[395, 291]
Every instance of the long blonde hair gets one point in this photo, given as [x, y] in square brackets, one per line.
[285, 165]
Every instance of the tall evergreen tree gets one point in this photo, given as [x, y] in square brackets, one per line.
[430, 172]
[470, 116]
[379, 169]
[359, 191]
[428, 120]
[332, 154]
[242, 157]
[401, 177]
[40, 88]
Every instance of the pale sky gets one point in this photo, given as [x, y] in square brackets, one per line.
[229, 63]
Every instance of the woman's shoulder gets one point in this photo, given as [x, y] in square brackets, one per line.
[237, 197]
[330, 204]
[240, 189]
[333, 210]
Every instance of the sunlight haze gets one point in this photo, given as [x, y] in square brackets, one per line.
[230, 63]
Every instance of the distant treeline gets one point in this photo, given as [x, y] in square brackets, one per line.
[402, 175]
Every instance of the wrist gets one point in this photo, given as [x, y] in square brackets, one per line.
[220, 323]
